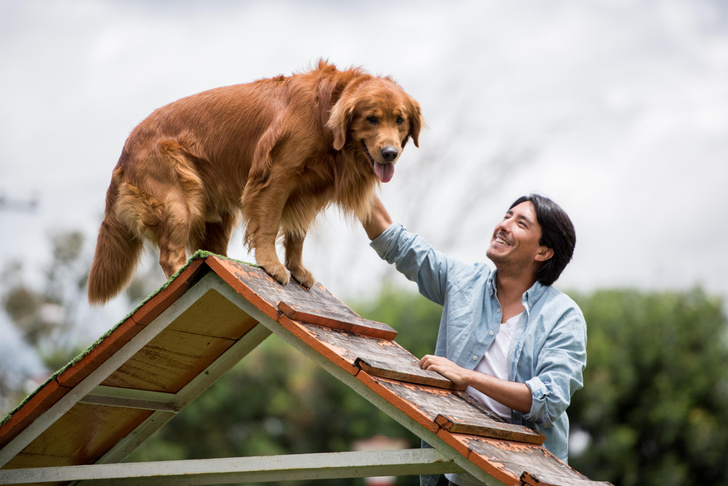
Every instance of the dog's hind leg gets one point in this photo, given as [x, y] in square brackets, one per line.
[217, 235]
[182, 217]
[172, 236]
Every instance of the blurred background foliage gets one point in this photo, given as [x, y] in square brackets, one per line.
[652, 410]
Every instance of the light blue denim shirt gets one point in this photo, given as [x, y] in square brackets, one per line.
[549, 355]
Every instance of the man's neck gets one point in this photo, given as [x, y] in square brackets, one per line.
[510, 293]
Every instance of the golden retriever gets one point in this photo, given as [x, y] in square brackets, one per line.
[278, 151]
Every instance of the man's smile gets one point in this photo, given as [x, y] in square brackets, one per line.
[500, 238]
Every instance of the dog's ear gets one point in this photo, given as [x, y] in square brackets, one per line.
[341, 115]
[415, 120]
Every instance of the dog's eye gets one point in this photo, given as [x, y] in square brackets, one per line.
[400, 120]
[372, 119]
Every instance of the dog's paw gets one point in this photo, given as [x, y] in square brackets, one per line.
[278, 272]
[303, 276]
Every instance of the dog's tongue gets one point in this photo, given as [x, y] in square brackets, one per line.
[385, 172]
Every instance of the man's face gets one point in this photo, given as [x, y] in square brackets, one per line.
[515, 240]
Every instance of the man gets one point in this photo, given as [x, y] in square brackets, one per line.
[515, 341]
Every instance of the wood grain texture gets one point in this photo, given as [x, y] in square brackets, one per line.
[533, 464]
[337, 318]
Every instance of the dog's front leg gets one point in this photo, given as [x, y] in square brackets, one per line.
[262, 208]
[264, 244]
[294, 259]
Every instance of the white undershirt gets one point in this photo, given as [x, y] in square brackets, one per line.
[494, 362]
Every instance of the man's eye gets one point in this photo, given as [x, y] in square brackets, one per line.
[400, 120]
[372, 119]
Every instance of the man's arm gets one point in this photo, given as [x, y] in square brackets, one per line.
[378, 221]
[516, 396]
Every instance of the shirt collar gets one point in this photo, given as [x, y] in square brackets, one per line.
[529, 298]
[533, 294]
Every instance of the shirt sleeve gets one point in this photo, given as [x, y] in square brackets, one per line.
[415, 259]
[560, 366]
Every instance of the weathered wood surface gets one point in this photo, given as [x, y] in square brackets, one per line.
[314, 304]
[457, 410]
[480, 421]
[378, 357]
[336, 320]
[409, 372]
[80, 436]
[533, 464]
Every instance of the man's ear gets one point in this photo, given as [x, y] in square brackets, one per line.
[544, 253]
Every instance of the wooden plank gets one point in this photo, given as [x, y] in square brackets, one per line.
[252, 283]
[474, 425]
[168, 362]
[105, 348]
[405, 462]
[344, 322]
[315, 305]
[540, 479]
[45, 397]
[131, 398]
[214, 315]
[310, 335]
[379, 357]
[380, 386]
[525, 461]
[80, 436]
[408, 371]
[457, 410]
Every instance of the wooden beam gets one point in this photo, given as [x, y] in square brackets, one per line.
[130, 398]
[244, 469]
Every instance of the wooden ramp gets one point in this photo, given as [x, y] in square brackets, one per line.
[79, 425]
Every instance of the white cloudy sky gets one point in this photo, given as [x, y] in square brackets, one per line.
[617, 109]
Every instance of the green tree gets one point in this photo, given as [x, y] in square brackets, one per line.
[656, 386]
[47, 317]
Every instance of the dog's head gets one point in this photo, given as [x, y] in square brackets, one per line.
[377, 118]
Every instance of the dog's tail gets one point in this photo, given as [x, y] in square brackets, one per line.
[117, 253]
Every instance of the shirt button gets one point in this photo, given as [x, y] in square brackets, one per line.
[490, 333]
[475, 358]
[498, 310]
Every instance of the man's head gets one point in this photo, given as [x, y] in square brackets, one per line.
[536, 236]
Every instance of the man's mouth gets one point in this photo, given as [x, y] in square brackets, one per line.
[501, 240]
[385, 171]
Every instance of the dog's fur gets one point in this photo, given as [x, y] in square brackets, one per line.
[278, 150]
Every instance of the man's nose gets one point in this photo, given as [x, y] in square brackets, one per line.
[502, 226]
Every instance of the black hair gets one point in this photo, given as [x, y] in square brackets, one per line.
[557, 233]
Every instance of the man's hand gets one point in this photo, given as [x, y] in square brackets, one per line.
[511, 394]
[446, 368]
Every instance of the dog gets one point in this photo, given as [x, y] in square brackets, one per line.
[277, 151]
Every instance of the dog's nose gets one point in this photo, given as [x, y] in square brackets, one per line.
[389, 153]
